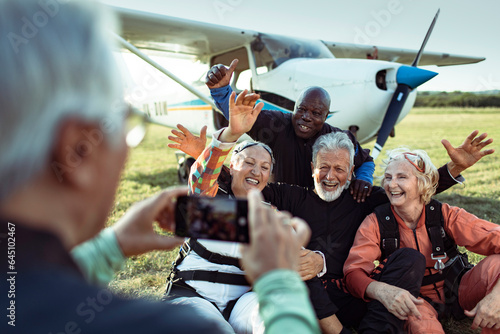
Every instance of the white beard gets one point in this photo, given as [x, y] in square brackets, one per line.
[328, 196]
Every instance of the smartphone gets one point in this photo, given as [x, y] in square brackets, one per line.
[214, 218]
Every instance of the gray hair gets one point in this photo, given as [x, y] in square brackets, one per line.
[331, 142]
[56, 63]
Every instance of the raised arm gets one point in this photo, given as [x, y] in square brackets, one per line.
[220, 75]
[242, 115]
[468, 153]
[206, 169]
[217, 80]
[187, 142]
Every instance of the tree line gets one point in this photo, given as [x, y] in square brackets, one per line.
[458, 99]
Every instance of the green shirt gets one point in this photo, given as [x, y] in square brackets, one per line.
[99, 258]
[284, 303]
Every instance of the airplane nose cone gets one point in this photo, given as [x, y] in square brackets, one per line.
[413, 76]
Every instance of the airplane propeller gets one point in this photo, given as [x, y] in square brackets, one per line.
[408, 78]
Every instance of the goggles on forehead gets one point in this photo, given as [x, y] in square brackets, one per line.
[246, 144]
[415, 160]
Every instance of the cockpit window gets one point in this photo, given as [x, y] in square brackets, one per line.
[272, 51]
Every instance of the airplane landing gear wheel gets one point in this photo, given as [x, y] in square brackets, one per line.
[183, 168]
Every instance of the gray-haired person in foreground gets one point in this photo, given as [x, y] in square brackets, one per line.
[63, 143]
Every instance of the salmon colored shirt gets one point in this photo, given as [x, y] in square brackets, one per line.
[477, 235]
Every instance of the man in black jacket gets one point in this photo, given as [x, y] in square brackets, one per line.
[292, 135]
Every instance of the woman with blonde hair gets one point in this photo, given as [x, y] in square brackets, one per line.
[413, 222]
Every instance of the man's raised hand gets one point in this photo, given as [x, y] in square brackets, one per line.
[220, 75]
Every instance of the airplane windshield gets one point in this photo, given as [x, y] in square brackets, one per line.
[272, 51]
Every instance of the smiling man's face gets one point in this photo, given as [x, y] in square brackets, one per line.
[311, 110]
[331, 173]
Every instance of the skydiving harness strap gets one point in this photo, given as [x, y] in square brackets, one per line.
[443, 246]
[204, 275]
[211, 276]
[211, 256]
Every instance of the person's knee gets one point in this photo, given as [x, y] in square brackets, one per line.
[409, 258]
[204, 310]
[493, 262]
[244, 316]
[405, 268]
[490, 270]
[201, 305]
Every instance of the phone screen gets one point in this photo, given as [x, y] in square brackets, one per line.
[212, 218]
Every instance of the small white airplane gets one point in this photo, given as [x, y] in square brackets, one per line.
[372, 87]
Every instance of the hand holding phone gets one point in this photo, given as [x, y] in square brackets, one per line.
[224, 219]
[135, 231]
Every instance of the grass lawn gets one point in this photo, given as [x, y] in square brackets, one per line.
[151, 167]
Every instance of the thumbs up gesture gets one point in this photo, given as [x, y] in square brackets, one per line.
[219, 75]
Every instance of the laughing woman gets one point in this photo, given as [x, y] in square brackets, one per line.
[427, 232]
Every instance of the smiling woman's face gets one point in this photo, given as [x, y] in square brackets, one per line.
[250, 170]
[401, 185]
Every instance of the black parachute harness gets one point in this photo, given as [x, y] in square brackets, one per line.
[443, 246]
[177, 277]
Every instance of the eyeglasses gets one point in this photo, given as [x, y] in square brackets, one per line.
[135, 126]
[415, 160]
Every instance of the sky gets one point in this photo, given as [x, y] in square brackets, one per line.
[463, 27]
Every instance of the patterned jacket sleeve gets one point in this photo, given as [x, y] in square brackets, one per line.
[206, 169]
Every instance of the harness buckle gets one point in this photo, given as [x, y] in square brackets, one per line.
[386, 243]
[185, 249]
[439, 263]
[170, 282]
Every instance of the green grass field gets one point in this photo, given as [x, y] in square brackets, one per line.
[151, 167]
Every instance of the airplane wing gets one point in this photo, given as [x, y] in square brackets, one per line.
[170, 34]
[403, 56]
